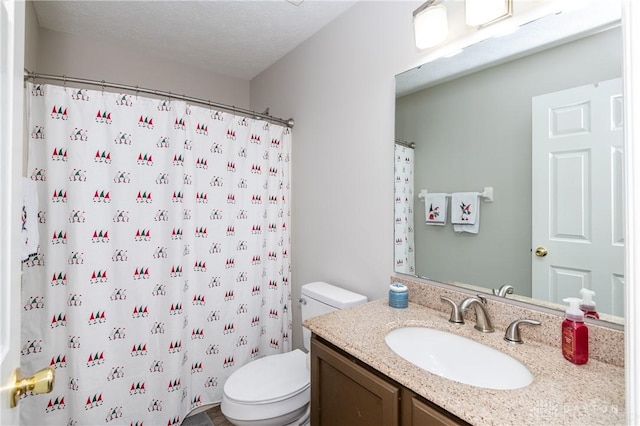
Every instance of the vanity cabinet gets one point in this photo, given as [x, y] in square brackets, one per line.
[347, 392]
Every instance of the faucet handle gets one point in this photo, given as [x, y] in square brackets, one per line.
[512, 334]
[456, 314]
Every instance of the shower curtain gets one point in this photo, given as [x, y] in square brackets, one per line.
[163, 262]
[403, 190]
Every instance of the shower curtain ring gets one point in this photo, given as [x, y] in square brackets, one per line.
[64, 81]
[137, 91]
[102, 83]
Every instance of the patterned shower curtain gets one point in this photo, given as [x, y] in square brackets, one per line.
[163, 258]
[403, 190]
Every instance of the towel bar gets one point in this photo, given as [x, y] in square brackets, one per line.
[486, 194]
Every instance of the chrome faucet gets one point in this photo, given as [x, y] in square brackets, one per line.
[456, 314]
[513, 331]
[503, 291]
[482, 318]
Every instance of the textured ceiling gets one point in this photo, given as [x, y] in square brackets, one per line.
[234, 38]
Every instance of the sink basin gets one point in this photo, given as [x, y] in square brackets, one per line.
[458, 358]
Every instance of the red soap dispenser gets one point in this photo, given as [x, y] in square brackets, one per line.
[575, 334]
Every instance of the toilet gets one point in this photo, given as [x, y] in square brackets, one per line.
[275, 390]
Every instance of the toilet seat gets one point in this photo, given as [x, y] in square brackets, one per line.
[269, 379]
[270, 387]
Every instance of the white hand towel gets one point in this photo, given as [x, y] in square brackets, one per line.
[435, 205]
[465, 212]
[29, 218]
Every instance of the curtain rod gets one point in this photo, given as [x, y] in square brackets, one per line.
[411, 145]
[29, 75]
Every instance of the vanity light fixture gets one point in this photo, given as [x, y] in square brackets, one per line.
[480, 13]
[430, 24]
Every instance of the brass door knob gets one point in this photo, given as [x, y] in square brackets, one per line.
[41, 382]
[541, 252]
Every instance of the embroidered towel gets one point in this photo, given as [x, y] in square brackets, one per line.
[435, 205]
[29, 219]
[465, 212]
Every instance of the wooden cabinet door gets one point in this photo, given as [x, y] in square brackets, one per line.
[346, 394]
[417, 412]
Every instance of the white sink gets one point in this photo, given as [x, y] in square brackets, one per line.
[458, 358]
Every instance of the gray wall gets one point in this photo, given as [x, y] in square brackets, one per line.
[31, 35]
[65, 54]
[475, 132]
[339, 87]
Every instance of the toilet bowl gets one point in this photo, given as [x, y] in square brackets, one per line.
[275, 390]
[271, 391]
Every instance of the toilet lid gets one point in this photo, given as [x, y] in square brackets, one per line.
[269, 379]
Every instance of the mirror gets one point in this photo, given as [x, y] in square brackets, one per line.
[471, 121]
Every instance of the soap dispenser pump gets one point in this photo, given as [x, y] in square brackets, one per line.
[588, 306]
[575, 334]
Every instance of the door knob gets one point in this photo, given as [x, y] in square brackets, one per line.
[41, 382]
[541, 252]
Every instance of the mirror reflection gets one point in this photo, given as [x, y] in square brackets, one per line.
[544, 131]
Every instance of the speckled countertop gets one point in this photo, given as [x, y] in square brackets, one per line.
[561, 393]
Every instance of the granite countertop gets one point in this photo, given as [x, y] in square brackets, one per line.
[561, 393]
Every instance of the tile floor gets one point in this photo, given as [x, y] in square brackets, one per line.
[217, 417]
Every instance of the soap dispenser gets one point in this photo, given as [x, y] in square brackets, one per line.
[575, 334]
[588, 306]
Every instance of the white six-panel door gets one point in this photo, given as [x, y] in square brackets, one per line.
[578, 187]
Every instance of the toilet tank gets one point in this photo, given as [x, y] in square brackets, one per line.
[320, 298]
